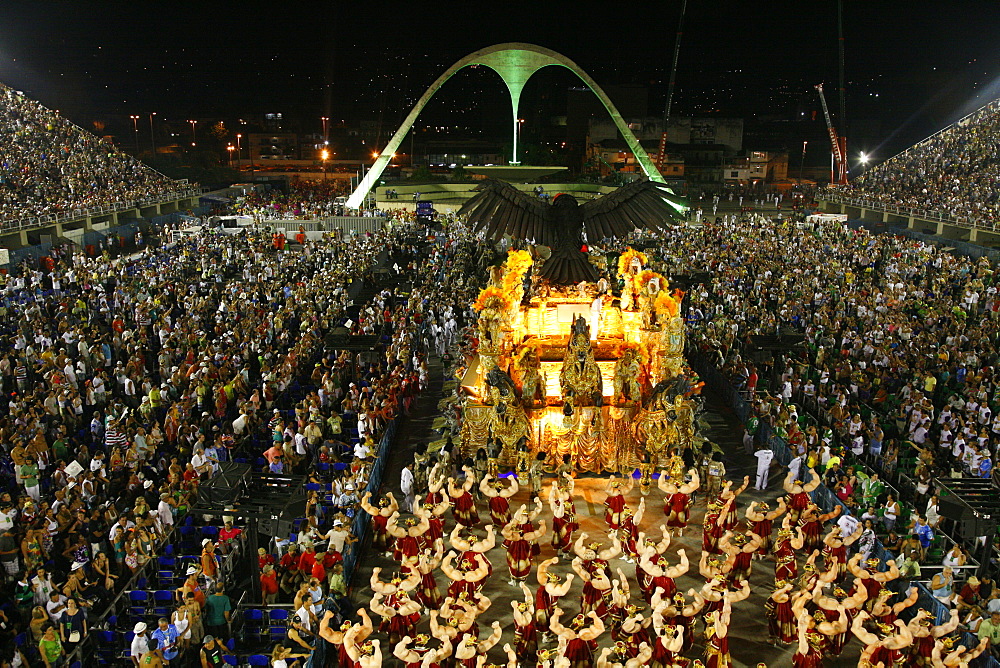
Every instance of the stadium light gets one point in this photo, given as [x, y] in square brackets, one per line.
[864, 158]
[135, 126]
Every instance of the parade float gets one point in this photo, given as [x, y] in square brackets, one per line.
[579, 371]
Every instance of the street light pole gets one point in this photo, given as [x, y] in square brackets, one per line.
[326, 135]
[194, 139]
[152, 138]
[135, 126]
[802, 162]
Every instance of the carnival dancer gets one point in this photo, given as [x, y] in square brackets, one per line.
[960, 656]
[535, 471]
[618, 604]
[519, 545]
[841, 601]
[887, 646]
[813, 631]
[581, 640]
[407, 583]
[835, 547]
[872, 579]
[659, 575]
[563, 517]
[596, 587]
[593, 557]
[925, 635]
[760, 519]
[472, 549]
[463, 504]
[884, 612]
[335, 636]
[436, 480]
[741, 548]
[387, 506]
[407, 541]
[498, 495]
[416, 653]
[716, 568]
[677, 498]
[781, 623]
[799, 492]
[365, 655]
[675, 612]
[620, 651]
[712, 526]
[469, 649]
[628, 531]
[465, 577]
[811, 575]
[354, 638]
[786, 545]
[812, 522]
[434, 514]
[633, 631]
[727, 499]
[399, 614]
[717, 636]
[549, 591]
[426, 563]
[615, 501]
[716, 591]
[525, 630]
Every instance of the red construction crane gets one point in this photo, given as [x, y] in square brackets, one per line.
[838, 145]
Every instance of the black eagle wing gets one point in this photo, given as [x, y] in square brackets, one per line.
[640, 204]
[500, 208]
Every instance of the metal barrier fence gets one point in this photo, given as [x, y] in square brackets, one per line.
[29, 254]
[354, 224]
[77, 214]
[924, 214]
[826, 500]
[362, 520]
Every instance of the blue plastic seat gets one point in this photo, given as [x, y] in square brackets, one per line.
[138, 603]
[163, 601]
[277, 624]
[230, 659]
[258, 660]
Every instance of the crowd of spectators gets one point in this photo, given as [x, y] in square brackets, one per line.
[306, 199]
[955, 172]
[50, 166]
[897, 367]
[131, 380]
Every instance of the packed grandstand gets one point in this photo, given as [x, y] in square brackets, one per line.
[51, 166]
[134, 379]
[955, 171]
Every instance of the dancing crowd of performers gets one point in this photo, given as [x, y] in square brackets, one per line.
[429, 606]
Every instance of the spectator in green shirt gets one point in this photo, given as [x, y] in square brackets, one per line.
[990, 628]
[216, 613]
[29, 478]
[50, 647]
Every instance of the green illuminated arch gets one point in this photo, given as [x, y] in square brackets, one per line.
[515, 63]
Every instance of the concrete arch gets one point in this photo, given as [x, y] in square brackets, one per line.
[515, 62]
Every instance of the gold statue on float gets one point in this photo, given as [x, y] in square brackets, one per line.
[627, 379]
[529, 373]
[580, 378]
[490, 325]
[507, 421]
[630, 264]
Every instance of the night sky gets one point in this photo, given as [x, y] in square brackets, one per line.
[911, 67]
